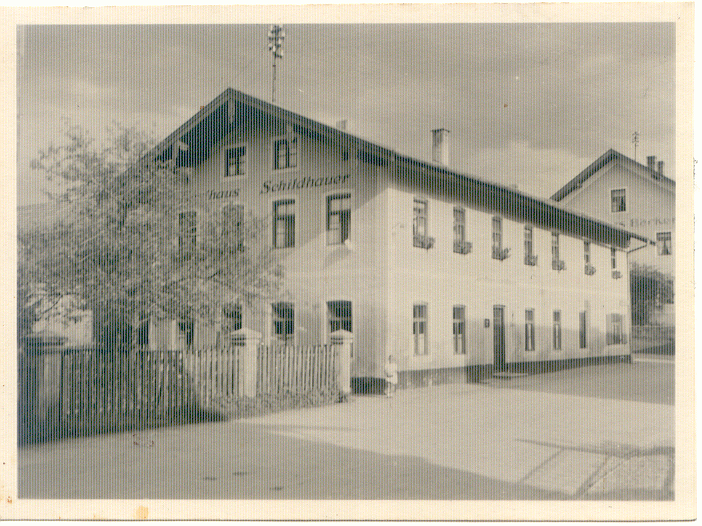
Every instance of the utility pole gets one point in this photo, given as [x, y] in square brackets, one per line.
[635, 140]
[276, 35]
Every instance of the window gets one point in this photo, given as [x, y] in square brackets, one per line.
[284, 322]
[232, 216]
[583, 329]
[284, 223]
[459, 226]
[187, 232]
[496, 235]
[618, 200]
[285, 153]
[419, 329]
[613, 252]
[555, 249]
[528, 241]
[459, 329]
[421, 212]
[664, 242]
[615, 329]
[339, 316]
[236, 161]
[338, 218]
[557, 330]
[529, 330]
[231, 317]
[187, 329]
[586, 252]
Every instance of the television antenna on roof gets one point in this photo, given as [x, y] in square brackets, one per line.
[635, 140]
[276, 35]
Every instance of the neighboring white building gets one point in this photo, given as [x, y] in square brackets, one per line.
[638, 197]
[443, 270]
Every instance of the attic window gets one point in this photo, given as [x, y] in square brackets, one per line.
[236, 161]
[285, 153]
[619, 200]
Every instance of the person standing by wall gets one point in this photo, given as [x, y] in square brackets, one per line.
[390, 376]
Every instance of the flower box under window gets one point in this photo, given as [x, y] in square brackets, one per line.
[423, 241]
[500, 253]
[616, 274]
[559, 265]
[589, 269]
[530, 260]
[462, 247]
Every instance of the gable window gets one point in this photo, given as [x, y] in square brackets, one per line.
[459, 329]
[615, 329]
[619, 200]
[459, 225]
[338, 218]
[235, 161]
[231, 317]
[557, 334]
[664, 243]
[187, 232]
[583, 329]
[284, 321]
[339, 316]
[419, 328]
[284, 223]
[529, 330]
[285, 153]
[496, 235]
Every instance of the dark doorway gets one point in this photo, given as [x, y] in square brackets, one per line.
[498, 315]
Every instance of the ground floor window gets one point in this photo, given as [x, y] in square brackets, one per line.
[231, 317]
[187, 329]
[557, 330]
[284, 322]
[459, 329]
[419, 328]
[615, 329]
[529, 330]
[339, 316]
[583, 329]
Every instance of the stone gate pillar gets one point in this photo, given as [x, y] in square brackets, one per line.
[343, 343]
[248, 340]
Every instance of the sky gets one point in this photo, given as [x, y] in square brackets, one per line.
[529, 105]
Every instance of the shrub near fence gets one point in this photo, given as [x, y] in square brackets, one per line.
[85, 391]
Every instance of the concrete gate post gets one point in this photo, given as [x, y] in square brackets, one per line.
[248, 340]
[343, 343]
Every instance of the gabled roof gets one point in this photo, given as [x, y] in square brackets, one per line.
[609, 156]
[216, 119]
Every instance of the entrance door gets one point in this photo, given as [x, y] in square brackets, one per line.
[498, 314]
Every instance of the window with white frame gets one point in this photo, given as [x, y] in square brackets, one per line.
[557, 332]
[664, 243]
[618, 200]
[419, 329]
[284, 223]
[529, 330]
[285, 153]
[421, 217]
[615, 329]
[340, 316]
[283, 314]
[459, 226]
[338, 218]
[459, 329]
[235, 159]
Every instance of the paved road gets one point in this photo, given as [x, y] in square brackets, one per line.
[544, 437]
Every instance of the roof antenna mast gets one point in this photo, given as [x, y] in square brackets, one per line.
[276, 35]
[635, 140]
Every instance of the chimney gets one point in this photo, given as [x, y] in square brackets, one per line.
[660, 167]
[651, 159]
[440, 146]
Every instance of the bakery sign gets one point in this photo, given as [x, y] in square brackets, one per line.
[655, 222]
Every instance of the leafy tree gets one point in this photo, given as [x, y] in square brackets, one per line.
[650, 288]
[118, 246]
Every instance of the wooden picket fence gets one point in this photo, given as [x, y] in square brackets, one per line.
[88, 389]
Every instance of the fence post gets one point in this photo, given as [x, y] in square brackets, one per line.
[247, 340]
[343, 344]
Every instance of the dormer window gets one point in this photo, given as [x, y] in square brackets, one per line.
[285, 153]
